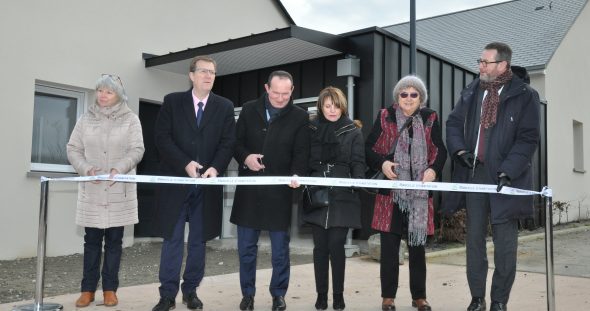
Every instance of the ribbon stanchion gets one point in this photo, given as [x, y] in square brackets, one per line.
[549, 250]
[38, 305]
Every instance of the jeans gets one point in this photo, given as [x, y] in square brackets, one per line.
[113, 248]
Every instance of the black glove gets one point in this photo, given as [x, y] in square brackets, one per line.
[503, 180]
[466, 159]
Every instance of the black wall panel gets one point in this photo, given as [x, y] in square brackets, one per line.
[384, 59]
[312, 78]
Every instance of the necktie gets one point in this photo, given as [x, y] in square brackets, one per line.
[199, 113]
[481, 145]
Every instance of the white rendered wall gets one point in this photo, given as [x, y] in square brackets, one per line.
[71, 42]
[567, 85]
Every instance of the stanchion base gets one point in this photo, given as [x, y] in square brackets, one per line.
[350, 250]
[43, 307]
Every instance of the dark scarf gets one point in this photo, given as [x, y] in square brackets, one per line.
[326, 134]
[492, 100]
[272, 111]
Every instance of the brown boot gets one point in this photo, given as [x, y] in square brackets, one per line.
[85, 299]
[110, 298]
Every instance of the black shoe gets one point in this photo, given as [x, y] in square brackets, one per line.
[388, 304]
[247, 303]
[322, 302]
[498, 306]
[192, 302]
[338, 302]
[165, 304]
[278, 303]
[424, 307]
[477, 304]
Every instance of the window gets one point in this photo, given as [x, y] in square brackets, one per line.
[578, 147]
[55, 113]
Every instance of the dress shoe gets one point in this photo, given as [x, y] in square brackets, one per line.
[322, 302]
[85, 299]
[165, 304]
[338, 302]
[192, 302]
[498, 306]
[110, 298]
[278, 303]
[247, 303]
[424, 307]
[477, 304]
[388, 304]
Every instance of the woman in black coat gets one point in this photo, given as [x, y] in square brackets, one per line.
[337, 150]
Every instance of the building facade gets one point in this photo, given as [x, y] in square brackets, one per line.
[52, 54]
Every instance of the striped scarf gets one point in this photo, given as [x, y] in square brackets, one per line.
[412, 164]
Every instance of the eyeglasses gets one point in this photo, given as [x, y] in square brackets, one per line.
[205, 71]
[114, 77]
[405, 94]
[485, 63]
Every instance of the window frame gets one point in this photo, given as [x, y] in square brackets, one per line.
[50, 89]
[578, 144]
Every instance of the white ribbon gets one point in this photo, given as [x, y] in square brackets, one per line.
[318, 181]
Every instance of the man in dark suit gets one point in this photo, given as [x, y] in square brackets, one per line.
[195, 136]
[492, 134]
[272, 140]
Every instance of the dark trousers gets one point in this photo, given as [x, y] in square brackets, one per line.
[328, 247]
[113, 241]
[248, 252]
[505, 237]
[390, 267]
[173, 250]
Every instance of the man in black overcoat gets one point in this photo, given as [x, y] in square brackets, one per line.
[195, 136]
[272, 140]
[492, 134]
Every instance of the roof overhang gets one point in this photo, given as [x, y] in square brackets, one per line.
[268, 49]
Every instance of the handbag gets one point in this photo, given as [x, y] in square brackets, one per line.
[378, 174]
[316, 197]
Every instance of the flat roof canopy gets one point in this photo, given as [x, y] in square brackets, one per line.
[273, 48]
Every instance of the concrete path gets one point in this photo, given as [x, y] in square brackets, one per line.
[447, 290]
[447, 286]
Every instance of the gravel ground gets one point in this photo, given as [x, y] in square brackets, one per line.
[139, 265]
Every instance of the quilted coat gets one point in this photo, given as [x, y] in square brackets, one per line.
[106, 138]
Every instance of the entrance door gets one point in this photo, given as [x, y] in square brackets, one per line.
[146, 192]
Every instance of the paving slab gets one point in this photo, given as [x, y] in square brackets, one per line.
[446, 286]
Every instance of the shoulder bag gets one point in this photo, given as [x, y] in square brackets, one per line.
[315, 197]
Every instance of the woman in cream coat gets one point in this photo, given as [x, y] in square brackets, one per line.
[106, 140]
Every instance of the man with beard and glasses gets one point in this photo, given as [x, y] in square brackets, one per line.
[492, 135]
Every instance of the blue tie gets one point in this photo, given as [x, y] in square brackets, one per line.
[199, 113]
